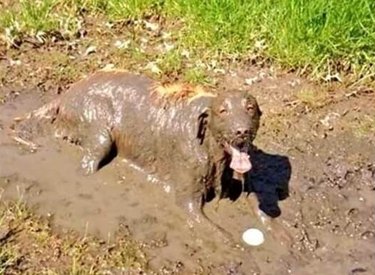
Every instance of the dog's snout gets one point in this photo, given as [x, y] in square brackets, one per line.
[242, 131]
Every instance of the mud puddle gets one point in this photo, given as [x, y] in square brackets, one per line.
[123, 193]
[329, 215]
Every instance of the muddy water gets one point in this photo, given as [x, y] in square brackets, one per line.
[330, 228]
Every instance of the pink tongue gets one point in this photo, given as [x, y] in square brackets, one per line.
[240, 161]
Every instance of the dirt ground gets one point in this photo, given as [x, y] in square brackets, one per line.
[325, 132]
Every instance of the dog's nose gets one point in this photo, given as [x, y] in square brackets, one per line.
[242, 131]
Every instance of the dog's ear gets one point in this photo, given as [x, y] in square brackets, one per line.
[203, 119]
[253, 102]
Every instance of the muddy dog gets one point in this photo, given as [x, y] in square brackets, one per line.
[176, 129]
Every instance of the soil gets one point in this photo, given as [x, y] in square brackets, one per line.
[325, 132]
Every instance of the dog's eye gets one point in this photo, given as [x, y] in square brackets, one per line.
[222, 110]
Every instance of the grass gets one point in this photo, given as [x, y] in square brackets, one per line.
[196, 75]
[28, 245]
[322, 36]
[318, 37]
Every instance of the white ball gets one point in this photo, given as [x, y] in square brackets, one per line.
[253, 237]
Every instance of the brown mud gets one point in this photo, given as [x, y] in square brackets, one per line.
[318, 143]
[329, 213]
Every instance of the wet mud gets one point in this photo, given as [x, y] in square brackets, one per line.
[310, 171]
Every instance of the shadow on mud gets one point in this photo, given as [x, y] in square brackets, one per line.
[268, 179]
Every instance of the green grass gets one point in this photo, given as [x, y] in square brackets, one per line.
[320, 37]
[318, 34]
[196, 75]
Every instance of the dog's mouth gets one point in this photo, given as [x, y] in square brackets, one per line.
[240, 158]
[241, 145]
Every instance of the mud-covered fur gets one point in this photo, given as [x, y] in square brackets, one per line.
[234, 119]
[178, 130]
